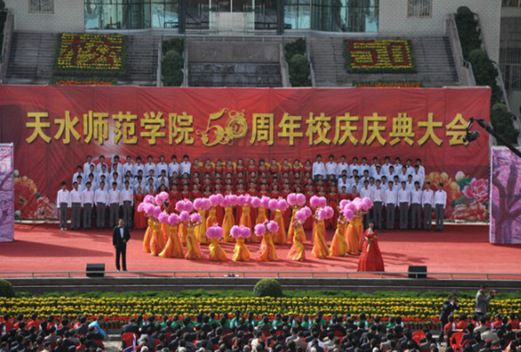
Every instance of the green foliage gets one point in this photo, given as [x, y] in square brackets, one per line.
[468, 30]
[298, 64]
[2, 5]
[177, 44]
[485, 72]
[172, 68]
[6, 289]
[503, 123]
[267, 288]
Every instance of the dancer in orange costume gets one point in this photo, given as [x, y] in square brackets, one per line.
[156, 240]
[173, 247]
[140, 221]
[319, 249]
[338, 246]
[211, 220]
[193, 251]
[148, 236]
[182, 231]
[228, 222]
[240, 251]
[297, 251]
[291, 229]
[280, 236]
[215, 234]
[200, 230]
[245, 219]
[267, 249]
[353, 235]
[371, 257]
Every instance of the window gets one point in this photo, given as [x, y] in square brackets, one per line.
[511, 3]
[41, 6]
[419, 8]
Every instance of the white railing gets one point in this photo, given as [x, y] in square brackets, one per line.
[256, 274]
[311, 68]
[463, 67]
[284, 69]
[6, 46]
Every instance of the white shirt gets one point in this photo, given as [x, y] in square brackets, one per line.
[63, 196]
[75, 177]
[404, 196]
[377, 195]
[128, 167]
[403, 176]
[385, 169]
[137, 167]
[114, 196]
[416, 196]
[148, 167]
[364, 167]
[160, 167]
[173, 167]
[391, 197]
[428, 197]
[86, 167]
[365, 192]
[127, 196]
[417, 177]
[353, 167]
[440, 198]
[319, 169]
[185, 167]
[331, 168]
[101, 196]
[378, 176]
[342, 183]
[75, 196]
[340, 167]
[87, 197]
[98, 167]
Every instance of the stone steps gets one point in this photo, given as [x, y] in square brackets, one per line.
[234, 75]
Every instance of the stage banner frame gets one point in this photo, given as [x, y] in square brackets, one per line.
[505, 197]
[6, 192]
[53, 128]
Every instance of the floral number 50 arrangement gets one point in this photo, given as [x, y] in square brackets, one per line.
[379, 56]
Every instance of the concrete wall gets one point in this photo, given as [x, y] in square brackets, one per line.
[67, 17]
[394, 20]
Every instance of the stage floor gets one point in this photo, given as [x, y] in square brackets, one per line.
[459, 249]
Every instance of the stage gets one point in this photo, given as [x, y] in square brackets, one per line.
[459, 249]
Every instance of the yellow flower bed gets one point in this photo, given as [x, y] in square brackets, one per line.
[124, 307]
[379, 56]
[91, 52]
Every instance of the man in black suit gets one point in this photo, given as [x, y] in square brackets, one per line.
[120, 237]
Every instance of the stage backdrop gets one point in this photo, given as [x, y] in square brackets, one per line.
[54, 128]
[6, 193]
[505, 196]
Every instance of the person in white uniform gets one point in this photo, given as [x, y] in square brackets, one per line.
[63, 201]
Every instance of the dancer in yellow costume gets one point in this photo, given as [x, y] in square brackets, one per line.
[148, 236]
[338, 243]
[353, 235]
[173, 247]
[280, 236]
[297, 251]
[228, 222]
[267, 248]
[319, 249]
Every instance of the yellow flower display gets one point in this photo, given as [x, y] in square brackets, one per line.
[379, 55]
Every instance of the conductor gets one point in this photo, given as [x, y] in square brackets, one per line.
[120, 237]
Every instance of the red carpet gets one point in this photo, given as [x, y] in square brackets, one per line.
[460, 249]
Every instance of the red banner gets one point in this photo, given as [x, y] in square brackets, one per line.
[54, 128]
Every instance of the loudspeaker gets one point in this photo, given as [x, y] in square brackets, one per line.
[417, 271]
[95, 270]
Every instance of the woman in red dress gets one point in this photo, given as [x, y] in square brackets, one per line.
[371, 257]
[140, 221]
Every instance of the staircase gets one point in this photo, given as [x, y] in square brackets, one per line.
[32, 58]
[234, 62]
[433, 58]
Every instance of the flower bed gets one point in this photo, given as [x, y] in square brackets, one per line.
[386, 84]
[91, 53]
[413, 310]
[82, 82]
[379, 56]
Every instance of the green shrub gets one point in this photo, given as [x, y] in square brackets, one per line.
[468, 30]
[503, 123]
[2, 5]
[172, 68]
[298, 64]
[6, 289]
[176, 44]
[485, 72]
[267, 288]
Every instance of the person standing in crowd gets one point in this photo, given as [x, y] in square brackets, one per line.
[79, 172]
[185, 166]
[440, 202]
[76, 205]
[447, 311]
[371, 258]
[483, 297]
[427, 203]
[120, 237]
[173, 167]
[342, 166]
[114, 203]
[127, 198]
[319, 169]
[377, 196]
[365, 191]
[87, 199]
[101, 200]
[162, 166]
[391, 198]
[331, 167]
[63, 201]
[150, 165]
[128, 166]
[86, 165]
[101, 166]
[416, 206]
[404, 201]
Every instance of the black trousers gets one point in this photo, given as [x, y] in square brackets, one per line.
[121, 252]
